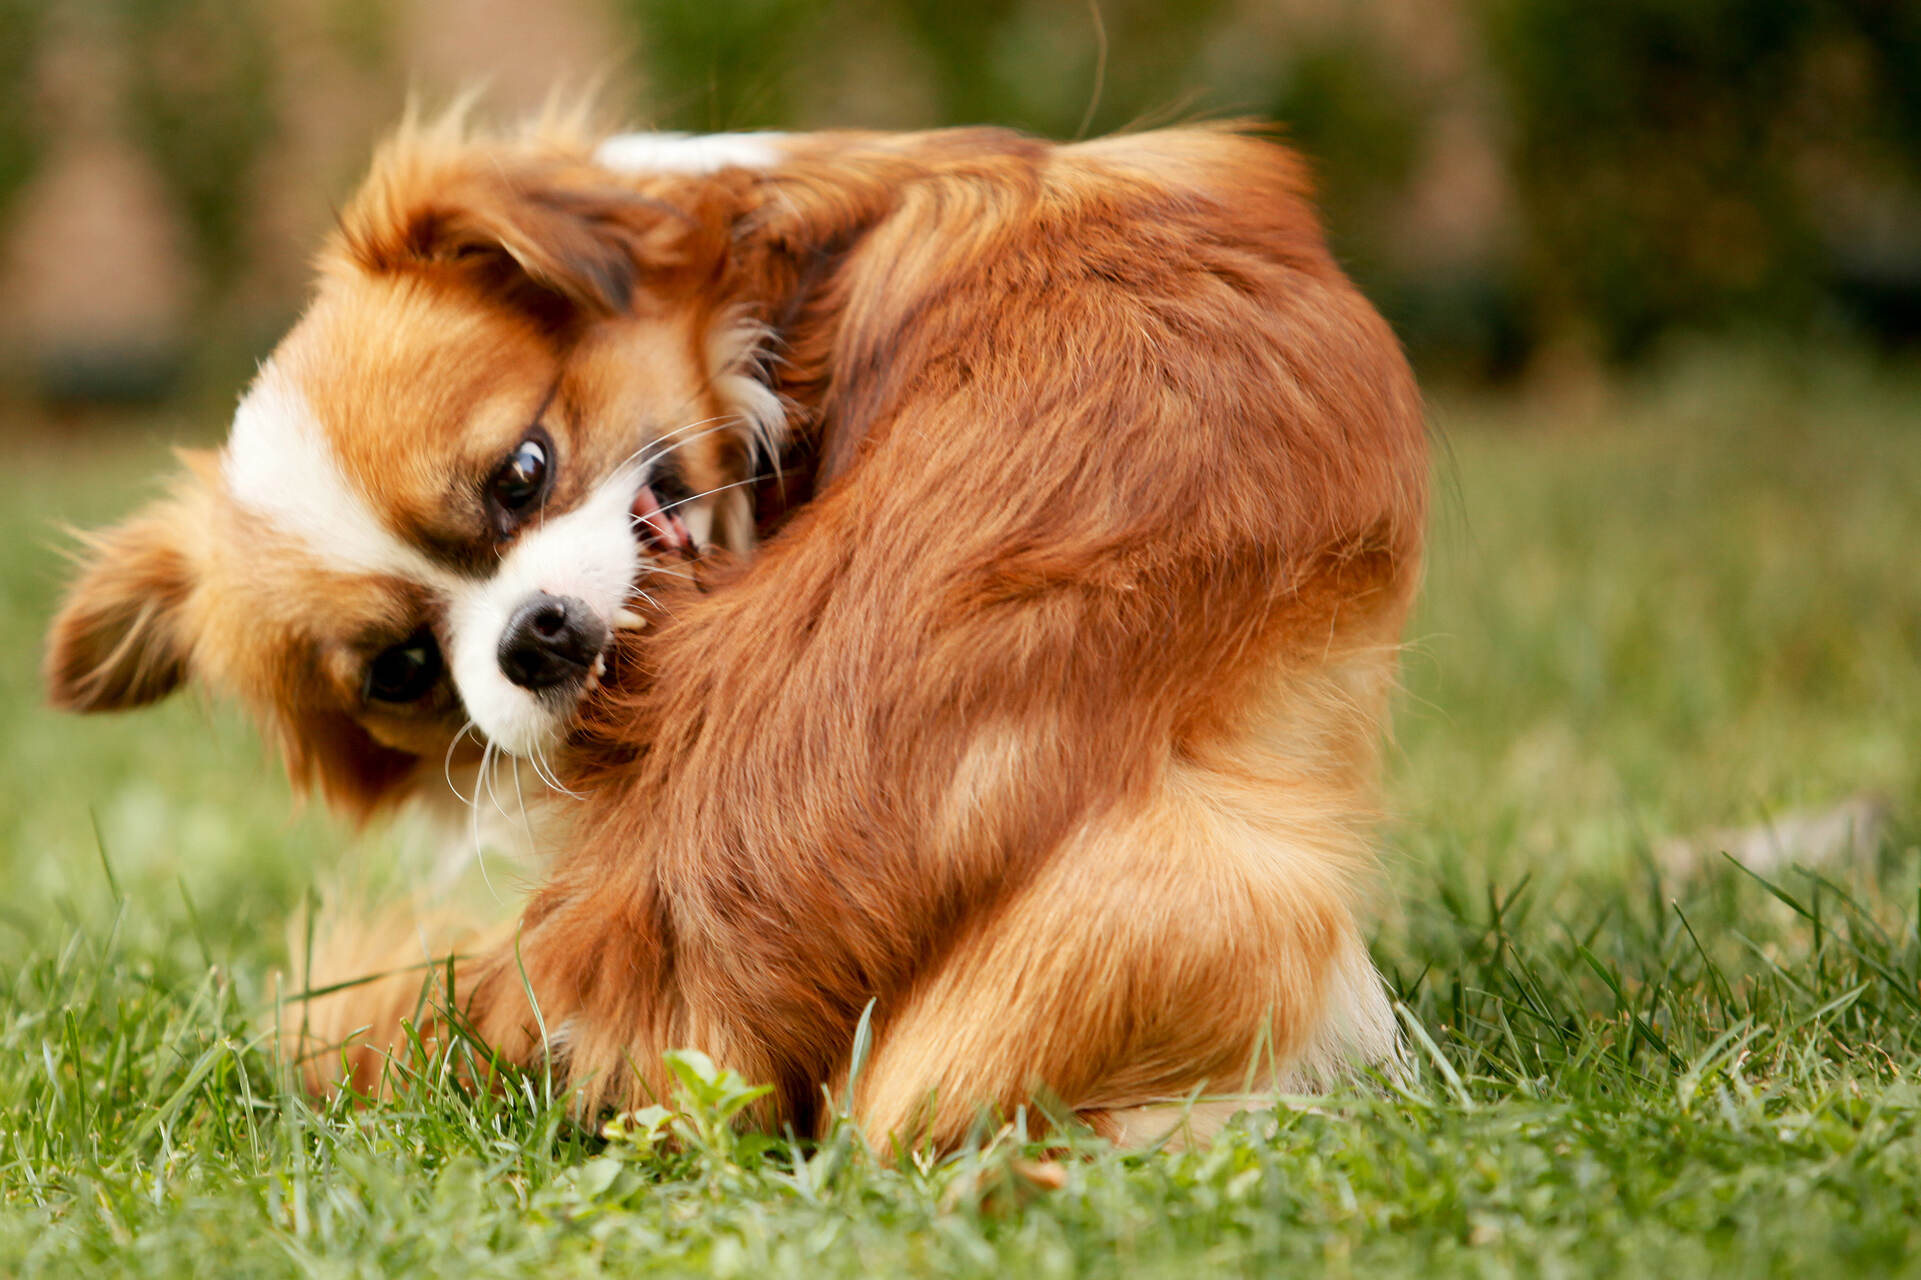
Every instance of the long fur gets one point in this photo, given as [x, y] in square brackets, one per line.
[1048, 722]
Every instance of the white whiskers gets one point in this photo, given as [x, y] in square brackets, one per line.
[520, 799]
[473, 809]
[670, 573]
[447, 765]
[719, 488]
[657, 448]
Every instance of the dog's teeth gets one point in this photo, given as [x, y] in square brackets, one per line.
[600, 666]
[628, 620]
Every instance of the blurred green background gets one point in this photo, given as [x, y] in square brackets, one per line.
[1529, 188]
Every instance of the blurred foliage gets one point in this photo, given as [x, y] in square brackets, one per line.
[200, 102]
[764, 63]
[1663, 156]
[20, 27]
[197, 100]
[1060, 69]
[1662, 149]
[718, 65]
[1644, 167]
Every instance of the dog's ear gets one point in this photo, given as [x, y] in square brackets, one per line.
[537, 225]
[121, 638]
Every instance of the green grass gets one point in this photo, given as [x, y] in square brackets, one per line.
[1694, 605]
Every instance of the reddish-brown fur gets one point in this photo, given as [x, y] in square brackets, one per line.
[426, 350]
[1048, 722]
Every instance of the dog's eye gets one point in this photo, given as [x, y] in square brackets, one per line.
[523, 477]
[406, 671]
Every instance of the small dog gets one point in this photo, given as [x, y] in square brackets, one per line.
[1045, 723]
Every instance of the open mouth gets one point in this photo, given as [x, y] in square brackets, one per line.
[661, 532]
[659, 529]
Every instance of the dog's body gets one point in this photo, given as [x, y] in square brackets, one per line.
[1048, 722]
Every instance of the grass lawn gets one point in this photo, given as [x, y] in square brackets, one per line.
[1693, 606]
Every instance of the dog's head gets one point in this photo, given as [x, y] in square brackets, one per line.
[517, 390]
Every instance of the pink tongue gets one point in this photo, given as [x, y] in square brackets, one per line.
[660, 529]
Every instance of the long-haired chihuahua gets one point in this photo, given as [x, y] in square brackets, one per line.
[1041, 716]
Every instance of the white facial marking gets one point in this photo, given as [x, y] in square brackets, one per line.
[588, 554]
[279, 465]
[690, 153]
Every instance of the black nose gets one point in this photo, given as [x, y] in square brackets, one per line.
[550, 640]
